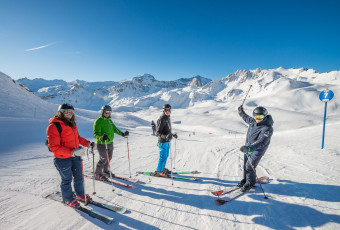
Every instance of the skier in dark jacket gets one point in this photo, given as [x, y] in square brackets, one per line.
[164, 137]
[153, 126]
[259, 134]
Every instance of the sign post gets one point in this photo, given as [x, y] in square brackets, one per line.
[325, 96]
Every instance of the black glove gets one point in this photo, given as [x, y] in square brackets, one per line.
[92, 145]
[125, 134]
[240, 110]
[175, 135]
[168, 137]
[104, 138]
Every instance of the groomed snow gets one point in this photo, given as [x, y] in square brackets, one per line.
[303, 192]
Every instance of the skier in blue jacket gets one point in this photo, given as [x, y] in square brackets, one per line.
[259, 134]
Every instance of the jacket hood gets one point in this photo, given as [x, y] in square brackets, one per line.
[54, 119]
[268, 121]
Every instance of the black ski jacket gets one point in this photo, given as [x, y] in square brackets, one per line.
[163, 128]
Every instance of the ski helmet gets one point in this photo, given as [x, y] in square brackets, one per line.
[64, 107]
[166, 106]
[260, 111]
[106, 108]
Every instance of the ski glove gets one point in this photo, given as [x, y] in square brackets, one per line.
[247, 149]
[105, 137]
[125, 134]
[92, 145]
[175, 135]
[78, 152]
[168, 137]
[240, 111]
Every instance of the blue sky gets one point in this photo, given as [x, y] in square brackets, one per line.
[119, 39]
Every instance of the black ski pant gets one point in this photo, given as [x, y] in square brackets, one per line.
[249, 173]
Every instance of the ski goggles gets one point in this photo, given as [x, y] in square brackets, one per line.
[107, 112]
[68, 112]
[258, 117]
[167, 110]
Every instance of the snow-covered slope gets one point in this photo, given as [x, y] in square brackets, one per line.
[18, 101]
[304, 188]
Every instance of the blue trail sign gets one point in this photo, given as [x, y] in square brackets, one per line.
[325, 96]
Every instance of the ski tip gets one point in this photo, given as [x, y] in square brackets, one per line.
[220, 202]
[219, 193]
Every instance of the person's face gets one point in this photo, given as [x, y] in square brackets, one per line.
[107, 113]
[167, 111]
[68, 113]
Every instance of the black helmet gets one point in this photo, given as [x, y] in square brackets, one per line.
[260, 111]
[166, 106]
[106, 108]
[64, 107]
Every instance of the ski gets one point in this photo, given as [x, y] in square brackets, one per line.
[106, 206]
[107, 220]
[225, 191]
[174, 177]
[189, 172]
[261, 180]
[236, 194]
[108, 181]
[128, 179]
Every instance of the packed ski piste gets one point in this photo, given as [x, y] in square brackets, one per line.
[69, 148]
[102, 171]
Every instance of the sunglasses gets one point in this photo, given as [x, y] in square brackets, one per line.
[258, 117]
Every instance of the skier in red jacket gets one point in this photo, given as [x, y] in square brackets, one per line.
[67, 153]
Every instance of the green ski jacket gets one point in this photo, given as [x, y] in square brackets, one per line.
[105, 125]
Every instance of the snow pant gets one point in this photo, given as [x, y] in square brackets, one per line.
[103, 165]
[66, 168]
[154, 131]
[163, 155]
[249, 174]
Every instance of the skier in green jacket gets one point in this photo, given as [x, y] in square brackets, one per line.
[103, 131]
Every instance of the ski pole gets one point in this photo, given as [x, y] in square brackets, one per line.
[82, 172]
[127, 144]
[94, 175]
[265, 197]
[172, 178]
[108, 162]
[246, 95]
[175, 153]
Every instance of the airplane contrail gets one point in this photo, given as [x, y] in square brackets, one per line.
[41, 47]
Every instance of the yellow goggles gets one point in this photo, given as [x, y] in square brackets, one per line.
[258, 117]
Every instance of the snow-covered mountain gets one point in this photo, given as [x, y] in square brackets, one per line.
[145, 91]
[15, 97]
[92, 95]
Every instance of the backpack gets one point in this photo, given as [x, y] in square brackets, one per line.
[57, 124]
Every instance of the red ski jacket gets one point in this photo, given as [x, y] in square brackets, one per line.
[63, 144]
